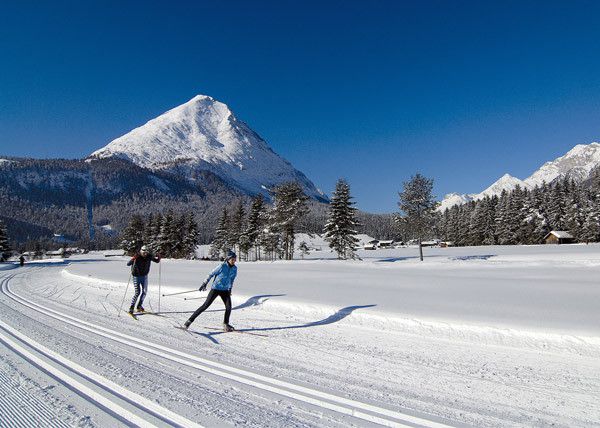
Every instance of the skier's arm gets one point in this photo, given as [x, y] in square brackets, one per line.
[215, 272]
[156, 259]
[132, 261]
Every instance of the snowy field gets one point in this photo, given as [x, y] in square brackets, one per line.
[479, 336]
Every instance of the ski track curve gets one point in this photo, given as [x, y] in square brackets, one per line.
[324, 400]
[129, 408]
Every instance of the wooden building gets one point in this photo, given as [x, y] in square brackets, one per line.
[558, 237]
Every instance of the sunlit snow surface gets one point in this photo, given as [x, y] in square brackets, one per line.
[482, 336]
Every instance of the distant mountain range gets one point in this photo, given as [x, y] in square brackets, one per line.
[197, 156]
[577, 164]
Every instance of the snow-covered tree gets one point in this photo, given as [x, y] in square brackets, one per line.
[289, 207]
[221, 240]
[575, 212]
[590, 229]
[167, 238]
[191, 236]
[237, 226]
[132, 236]
[340, 229]
[418, 205]
[255, 225]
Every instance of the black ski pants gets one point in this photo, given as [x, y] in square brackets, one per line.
[212, 295]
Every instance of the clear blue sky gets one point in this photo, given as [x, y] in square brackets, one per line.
[372, 91]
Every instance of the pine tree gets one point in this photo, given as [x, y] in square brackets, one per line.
[191, 236]
[132, 237]
[166, 237]
[539, 214]
[255, 225]
[153, 232]
[237, 226]
[487, 231]
[220, 241]
[556, 206]
[590, 229]
[575, 212]
[289, 207]
[418, 205]
[270, 239]
[340, 230]
[477, 223]
[177, 236]
[503, 219]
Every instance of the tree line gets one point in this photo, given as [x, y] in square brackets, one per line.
[170, 235]
[524, 216]
[267, 231]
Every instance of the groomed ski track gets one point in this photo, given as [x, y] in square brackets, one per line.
[137, 410]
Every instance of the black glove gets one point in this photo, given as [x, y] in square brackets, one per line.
[203, 286]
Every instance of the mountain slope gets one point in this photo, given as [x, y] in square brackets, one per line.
[577, 163]
[204, 135]
[78, 198]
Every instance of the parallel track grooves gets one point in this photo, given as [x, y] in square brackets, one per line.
[314, 397]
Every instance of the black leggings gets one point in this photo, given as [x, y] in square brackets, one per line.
[212, 295]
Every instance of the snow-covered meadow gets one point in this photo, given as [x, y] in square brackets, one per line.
[476, 336]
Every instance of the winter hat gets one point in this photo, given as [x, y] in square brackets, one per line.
[144, 248]
[230, 255]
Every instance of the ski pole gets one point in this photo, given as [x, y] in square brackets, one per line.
[194, 298]
[124, 295]
[182, 292]
[159, 269]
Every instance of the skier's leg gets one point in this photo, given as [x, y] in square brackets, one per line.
[136, 294]
[144, 287]
[226, 297]
[212, 295]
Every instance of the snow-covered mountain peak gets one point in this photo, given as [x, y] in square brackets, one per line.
[452, 199]
[577, 163]
[506, 182]
[204, 134]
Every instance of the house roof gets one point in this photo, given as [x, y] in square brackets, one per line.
[560, 234]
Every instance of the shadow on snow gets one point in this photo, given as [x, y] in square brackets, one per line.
[338, 316]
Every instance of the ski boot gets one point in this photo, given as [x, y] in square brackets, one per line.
[130, 311]
[227, 327]
[187, 324]
[141, 309]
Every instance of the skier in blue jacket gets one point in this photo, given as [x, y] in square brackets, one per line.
[224, 275]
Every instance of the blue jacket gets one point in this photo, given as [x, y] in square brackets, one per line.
[224, 277]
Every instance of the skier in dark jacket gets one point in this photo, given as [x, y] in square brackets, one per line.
[224, 275]
[21, 260]
[140, 267]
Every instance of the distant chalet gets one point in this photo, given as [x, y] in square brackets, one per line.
[558, 237]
